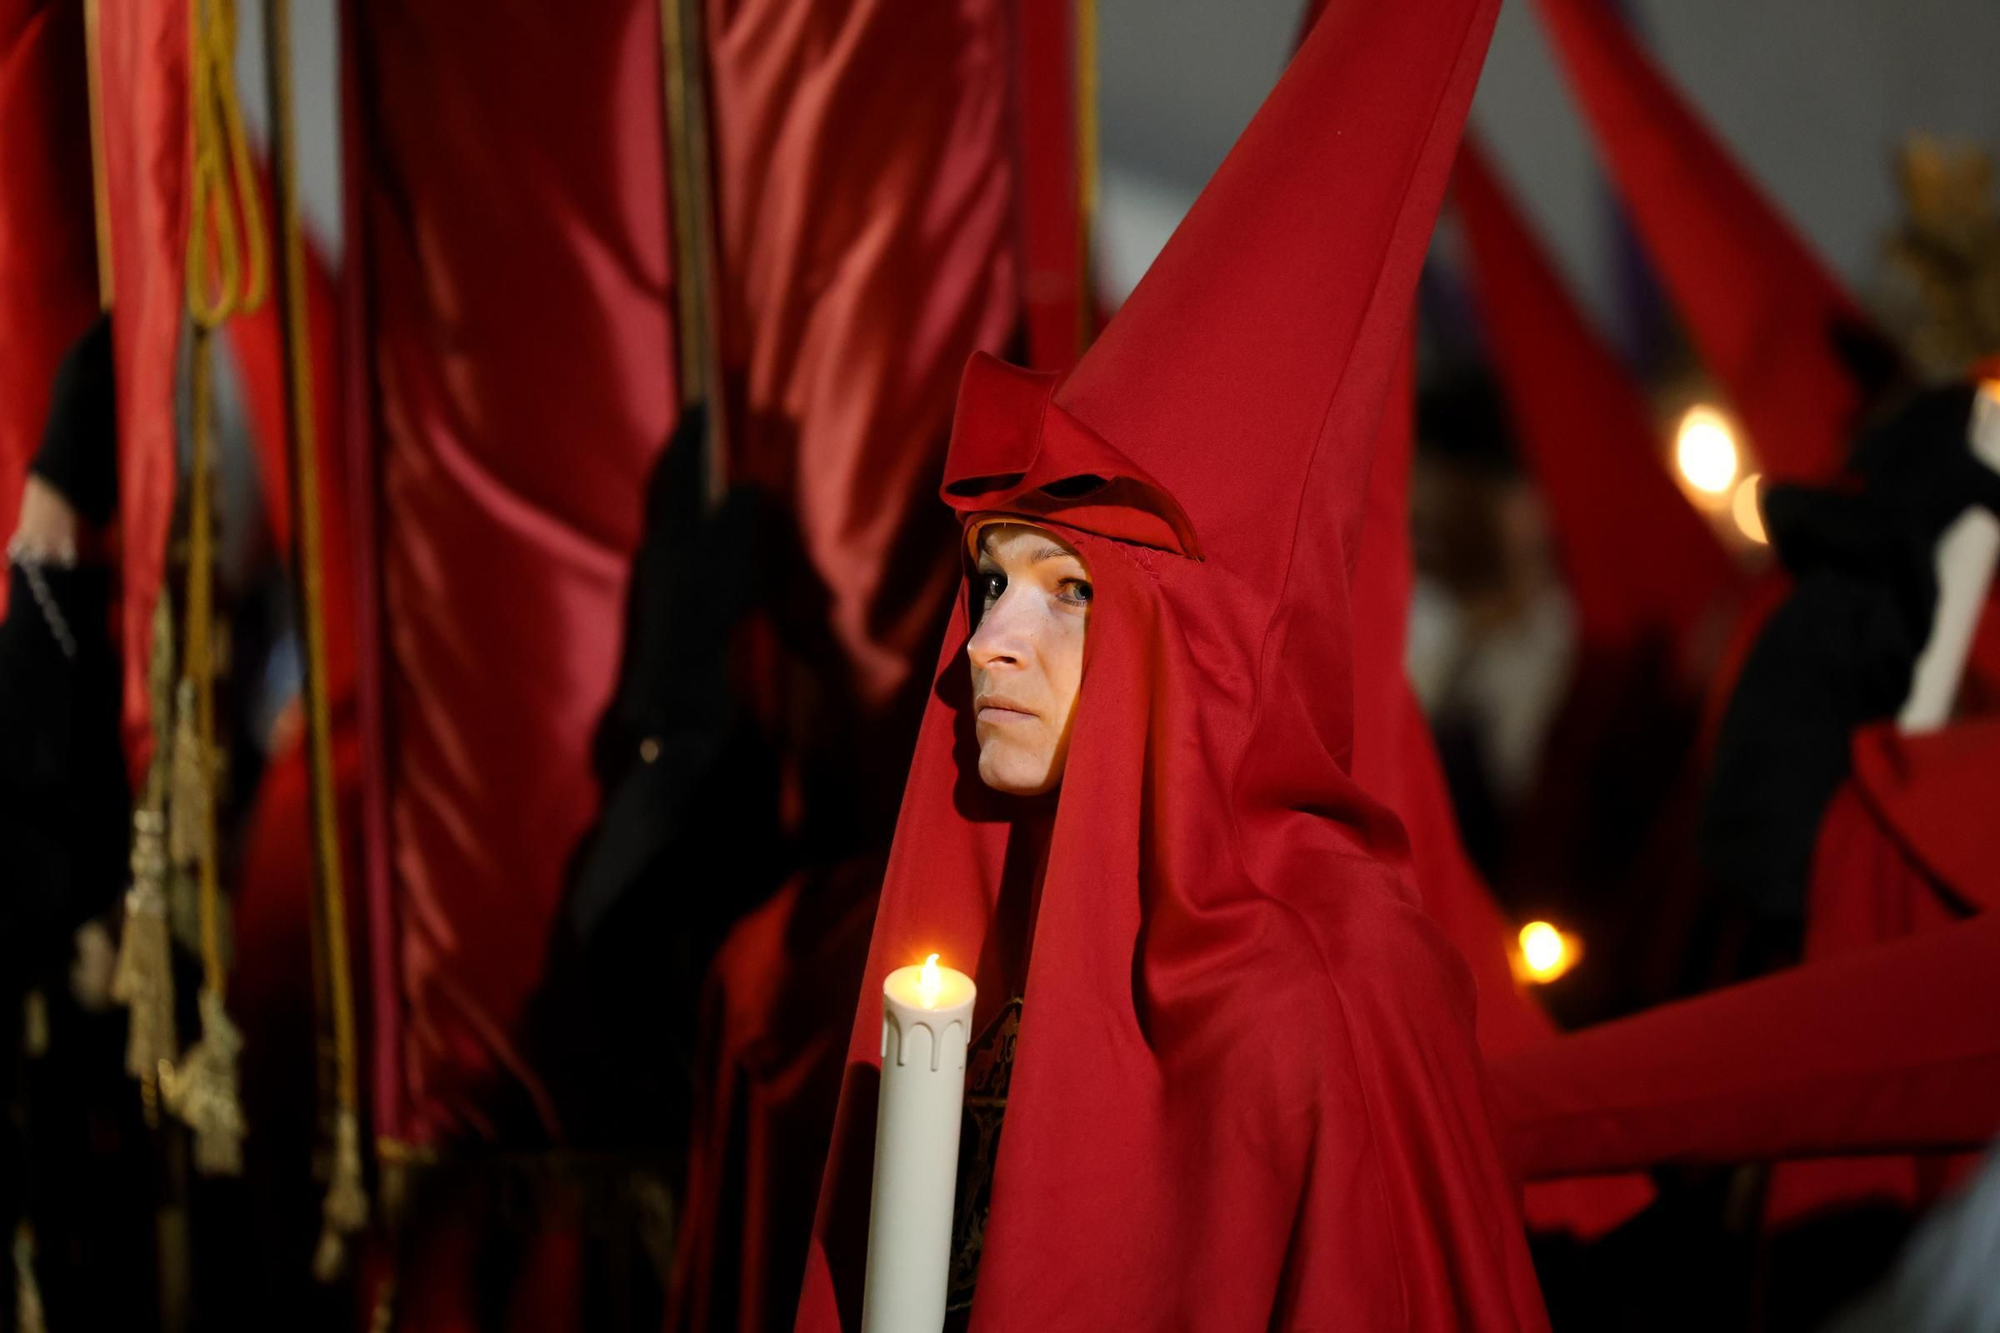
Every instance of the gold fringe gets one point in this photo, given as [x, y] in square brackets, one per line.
[202, 1091]
[35, 1025]
[345, 1210]
[28, 1317]
[144, 978]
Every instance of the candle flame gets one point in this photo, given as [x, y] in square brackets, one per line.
[929, 983]
[1546, 952]
[1705, 450]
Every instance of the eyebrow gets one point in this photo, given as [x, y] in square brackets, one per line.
[1049, 552]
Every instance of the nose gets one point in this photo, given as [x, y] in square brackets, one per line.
[1005, 636]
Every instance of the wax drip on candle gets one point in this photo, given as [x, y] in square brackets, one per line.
[929, 983]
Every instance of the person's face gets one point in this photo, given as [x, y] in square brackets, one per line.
[1032, 596]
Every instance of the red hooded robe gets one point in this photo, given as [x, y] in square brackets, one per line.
[1247, 1093]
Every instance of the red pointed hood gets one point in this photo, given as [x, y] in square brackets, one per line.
[1636, 556]
[1763, 311]
[1244, 1081]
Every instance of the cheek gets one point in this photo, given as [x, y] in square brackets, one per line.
[1063, 658]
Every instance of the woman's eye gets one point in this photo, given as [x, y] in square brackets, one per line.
[1075, 591]
[991, 586]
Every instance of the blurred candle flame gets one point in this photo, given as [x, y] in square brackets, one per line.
[1546, 953]
[929, 983]
[1705, 450]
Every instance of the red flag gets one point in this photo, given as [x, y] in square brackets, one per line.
[1763, 311]
[516, 278]
[142, 57]
[1637, 558]
[907, 221]
[48, 248]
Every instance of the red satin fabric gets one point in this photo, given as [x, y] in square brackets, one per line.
[1635, 556]
[142, 53]
[1758, 303]
[516, 251]
[866, 193]
[862, 268]
[48, 232]
[1246, 1093]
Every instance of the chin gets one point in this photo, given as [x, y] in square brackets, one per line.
[1016, 772]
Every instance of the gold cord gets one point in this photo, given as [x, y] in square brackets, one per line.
[99, 186]
[345, 1209]
[228, 269]
[227, 274]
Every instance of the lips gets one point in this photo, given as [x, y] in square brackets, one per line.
[996, 708]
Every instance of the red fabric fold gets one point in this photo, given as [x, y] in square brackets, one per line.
[1761, 307]
[515, 242]
[862, 268]
[142, 53]
[867, 196]
[1636, 557]
[48, 229]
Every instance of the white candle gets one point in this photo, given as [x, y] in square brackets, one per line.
[1965, 556]
[926, 1025]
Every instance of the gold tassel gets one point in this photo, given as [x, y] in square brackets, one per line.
[28, 1316]
[345, 1210]
[202, 1091]
[144, 978]
[35, 1025]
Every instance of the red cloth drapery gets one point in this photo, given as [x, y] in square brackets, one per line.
[1761, 308]
[866, 196]
[861, 269]
[515, 243]
[142, 54]
[48, 231]
[1635, 555]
